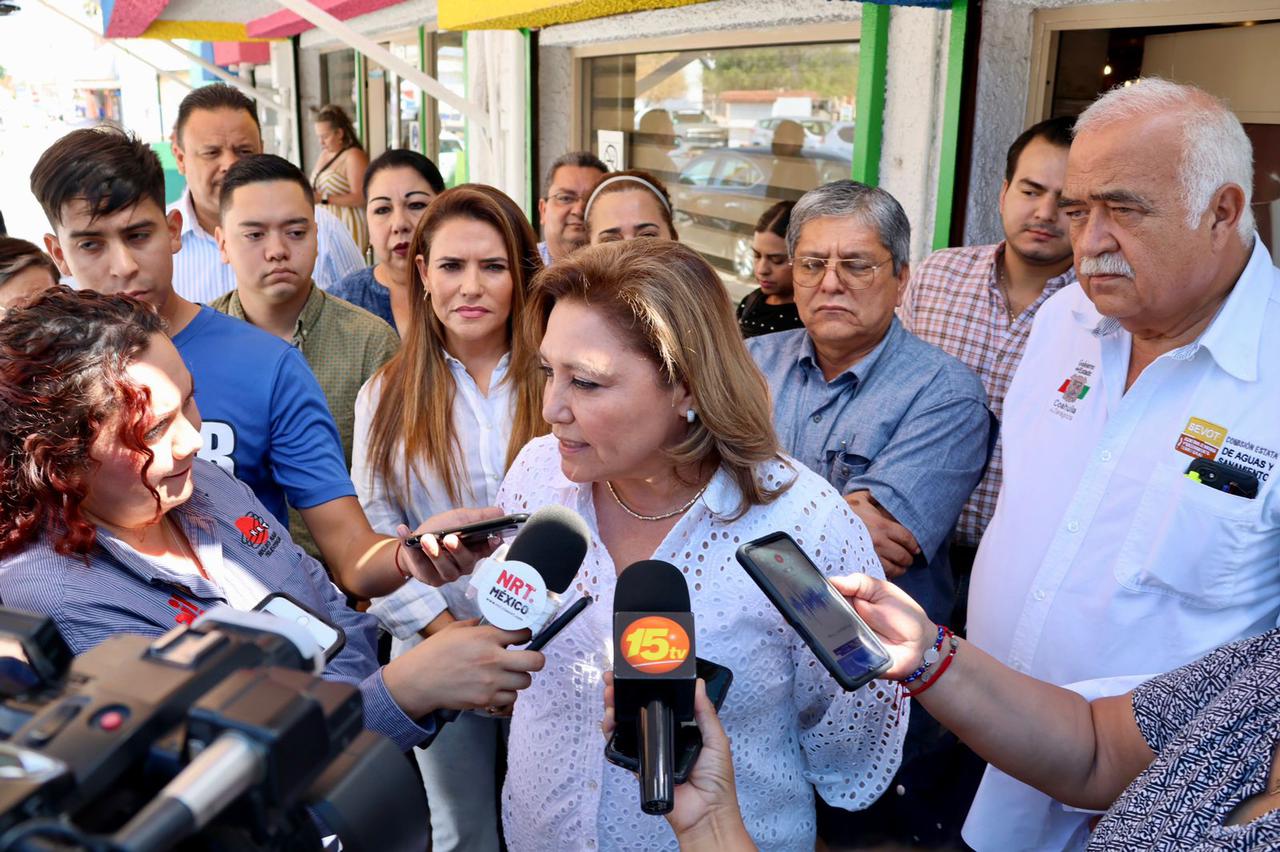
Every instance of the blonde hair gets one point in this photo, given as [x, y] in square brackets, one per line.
[413, 420]
[668, 304]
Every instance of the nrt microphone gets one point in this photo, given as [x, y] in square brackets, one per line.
[654, 670]
[522, 587]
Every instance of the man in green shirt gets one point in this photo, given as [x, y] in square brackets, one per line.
[267, 233]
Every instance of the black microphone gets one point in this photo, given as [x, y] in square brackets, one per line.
[522, 588]
[654, 670]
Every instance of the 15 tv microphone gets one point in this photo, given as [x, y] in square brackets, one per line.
[522, 587]
[654, 670]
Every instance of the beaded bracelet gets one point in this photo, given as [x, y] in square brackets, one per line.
[955, 645]
[930, 656]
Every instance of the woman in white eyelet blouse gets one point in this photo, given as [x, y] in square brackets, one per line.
[673, 485]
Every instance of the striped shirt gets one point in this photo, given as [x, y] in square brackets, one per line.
[199, 275]
[954, 302]
[122, 591]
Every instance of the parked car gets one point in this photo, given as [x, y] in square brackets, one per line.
[838, 141]
[815, 129]
[692, 128]
[721, 194]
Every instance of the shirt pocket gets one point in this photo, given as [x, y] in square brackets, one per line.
[846, 459]
[1188, 541]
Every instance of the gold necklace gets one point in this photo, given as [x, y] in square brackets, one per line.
[1002, 285]
[640, 517]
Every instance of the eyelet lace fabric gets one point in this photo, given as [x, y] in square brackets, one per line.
[791, 725]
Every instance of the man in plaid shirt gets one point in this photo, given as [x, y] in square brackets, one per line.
[977, 302]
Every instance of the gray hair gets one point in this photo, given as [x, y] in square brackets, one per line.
[581, 159]
[870, 205]
[1215, 149]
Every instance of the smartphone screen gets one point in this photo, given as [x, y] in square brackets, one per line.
[477, 533]
[816, 609]
[328, 636]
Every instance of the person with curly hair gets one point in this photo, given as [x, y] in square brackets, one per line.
[110, 523]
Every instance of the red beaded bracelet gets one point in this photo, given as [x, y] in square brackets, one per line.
[942, 668]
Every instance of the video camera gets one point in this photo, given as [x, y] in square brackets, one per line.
[216, 736]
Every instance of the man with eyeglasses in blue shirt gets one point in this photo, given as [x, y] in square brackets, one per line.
[564, 195]
[897, 426]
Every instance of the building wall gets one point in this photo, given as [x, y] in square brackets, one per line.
[1004, 78]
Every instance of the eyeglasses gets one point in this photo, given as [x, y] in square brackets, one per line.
[852, 274]
[565, 199]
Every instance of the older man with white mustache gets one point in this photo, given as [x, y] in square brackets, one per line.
[1138, 525]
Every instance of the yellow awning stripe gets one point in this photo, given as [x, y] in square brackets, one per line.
[514, 14]
[200, 31]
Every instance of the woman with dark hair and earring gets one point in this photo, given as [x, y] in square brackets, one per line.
[24, 271]
[110, 523]
[771, 306]
[399, 185]
[436, 428]
[339, 174]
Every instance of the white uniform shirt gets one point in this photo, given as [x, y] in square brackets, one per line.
[791, 724]
[1103, 560]
[482, 425]
[199, 275]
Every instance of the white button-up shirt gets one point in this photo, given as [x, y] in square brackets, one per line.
[482, 427]
[199, 275]
[1103, 560]
[791, 724]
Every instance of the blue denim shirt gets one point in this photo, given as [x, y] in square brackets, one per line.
[122, 591]
[908, 422]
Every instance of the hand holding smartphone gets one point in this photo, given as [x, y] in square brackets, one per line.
[815, 609]
[477, 533]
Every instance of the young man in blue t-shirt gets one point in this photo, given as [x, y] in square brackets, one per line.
[266, 418]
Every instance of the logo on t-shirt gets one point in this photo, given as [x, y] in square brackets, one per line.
[254, 529]
[187, 611]
[1073, 390]
[257, 534]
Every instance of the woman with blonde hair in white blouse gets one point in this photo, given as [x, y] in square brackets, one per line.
[662, 440]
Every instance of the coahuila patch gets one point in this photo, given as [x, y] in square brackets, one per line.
[1073, 390]
[1201, 439]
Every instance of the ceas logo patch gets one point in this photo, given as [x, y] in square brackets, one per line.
[655, 644]
[254, 528]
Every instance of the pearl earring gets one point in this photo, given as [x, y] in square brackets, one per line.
[690, 415]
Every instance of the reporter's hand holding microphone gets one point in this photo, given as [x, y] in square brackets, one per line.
[705, 816]
[468, 664]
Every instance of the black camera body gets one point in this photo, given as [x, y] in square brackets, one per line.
[217, 735]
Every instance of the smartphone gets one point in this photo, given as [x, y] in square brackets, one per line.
[1225, 477]
[477, 533]
[560, 622]
[623, 749]
[814, 608]
[330, 637]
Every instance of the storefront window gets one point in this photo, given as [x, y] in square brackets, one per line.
[731, 132]
[452, 73]
[404, 125]
[338, 81]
